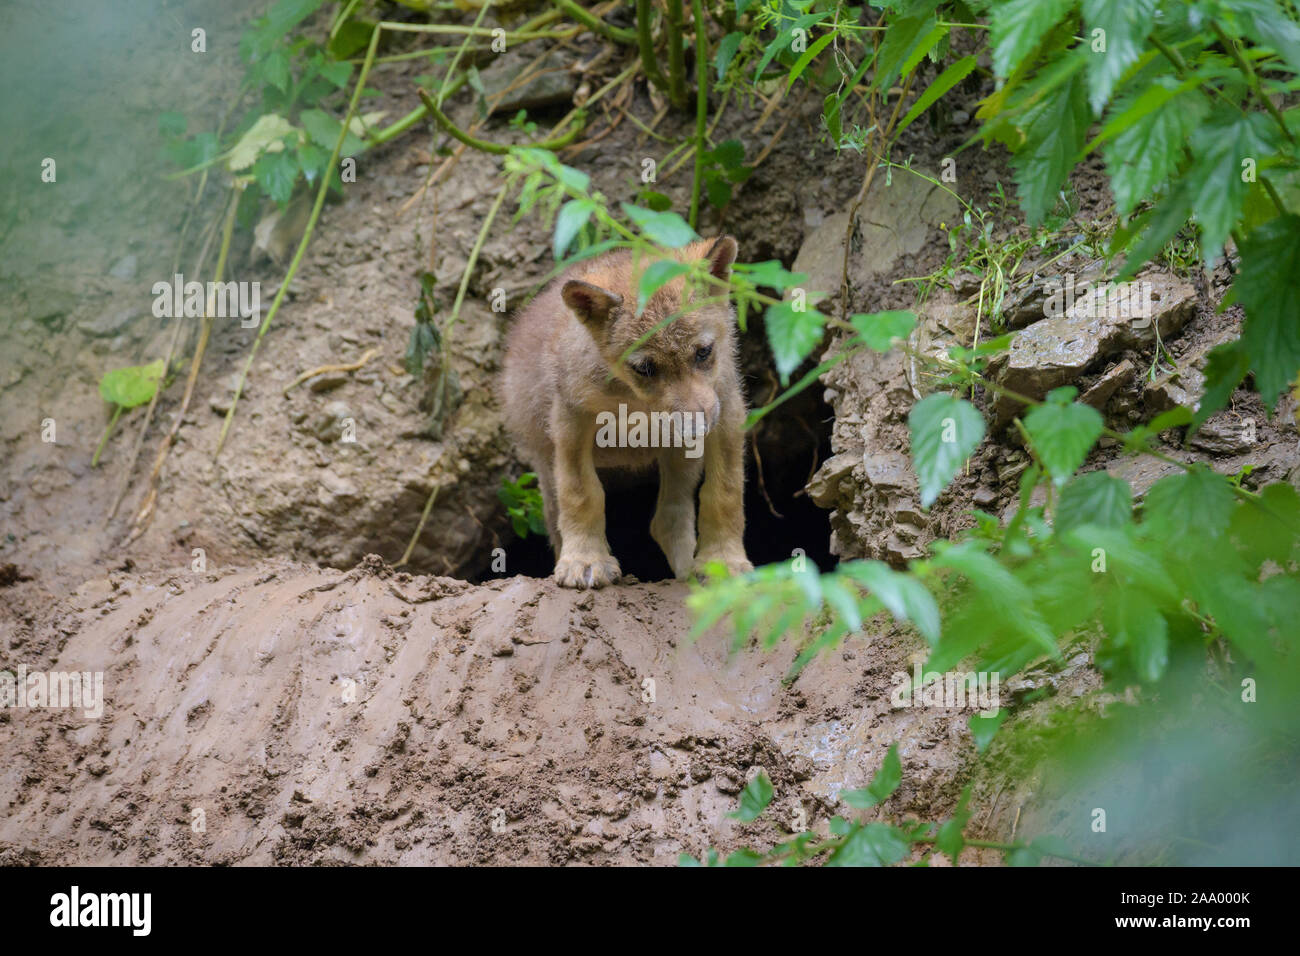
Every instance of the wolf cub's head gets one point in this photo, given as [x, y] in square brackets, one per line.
[689, 328]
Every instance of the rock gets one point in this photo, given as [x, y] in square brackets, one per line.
[1223, 437]
[221, 400]
[1034, 300]
[896, 219]
[1058, 349]
[1106, 386]
[1185, 384]
[552, 84]
[106, 325]
[327, 381]
[125, 268]
[329, 426]
[889, 470]
[823, 488]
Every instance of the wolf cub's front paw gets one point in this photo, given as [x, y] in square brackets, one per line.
[586, 570]
[735, 562]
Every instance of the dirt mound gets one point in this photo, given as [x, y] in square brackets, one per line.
[288, 714]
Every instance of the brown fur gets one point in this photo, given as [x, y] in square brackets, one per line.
[562, 370]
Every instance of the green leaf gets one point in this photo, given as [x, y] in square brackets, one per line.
[275, 69]
[324, 131]
[666, 228]
[1268, 25]
[1148, 639]
[1095, 498]
[743, 857]
[276, 173]
[654, 278]
[1225, 367]
[879, 329]
[1055, 131]
[792, 334]
[1150, 140]
[1267, 528]
[945, 431]
[133, 385]
[1134, 623]
[1268, 287]
[727, 48]
[337, 73]
[807, 57]
[313, 159]
[753, 799]
[831, 114]
[1219, 148]
[945, 81]
[904, 595]
[1018, 26]
[573, 216]
[172, 124]
[876, 844]
[908, 37]
[1063, 432]
[1126, 24]
[770, 274]
[1194, 504]
[984, 729]
[882, 785]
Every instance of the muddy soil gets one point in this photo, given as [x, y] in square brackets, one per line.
[289, 714]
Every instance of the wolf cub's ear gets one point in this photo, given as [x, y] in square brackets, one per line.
[721, 255]
[593, 305]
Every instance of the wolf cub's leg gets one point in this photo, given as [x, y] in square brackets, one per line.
[550, 509]
[584, 561]
[722, 499]
[673, 526]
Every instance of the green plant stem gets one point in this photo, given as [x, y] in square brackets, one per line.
[646, 43]
[306, 237]
[117, 413]
[595, 24]
[701, 105]
[676, 61]
[446, 341]
[496, 149]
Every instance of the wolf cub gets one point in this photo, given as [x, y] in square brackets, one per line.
[575, 407]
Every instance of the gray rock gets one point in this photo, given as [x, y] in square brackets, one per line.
[105, 325]
[823, 488]
[327, 381]
[552, 84]
[1101, 391]
[1058, 349]
[125, 268]
[1224, 437]
[329, 425]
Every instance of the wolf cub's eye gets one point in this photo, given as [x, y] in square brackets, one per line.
[703, 353]
[645, 368]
